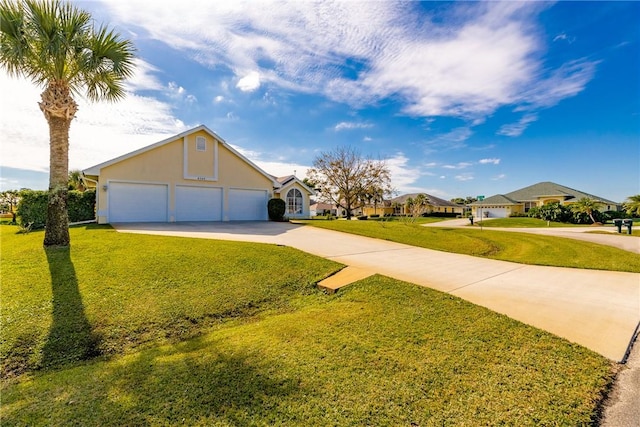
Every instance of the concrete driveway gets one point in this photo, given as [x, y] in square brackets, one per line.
[597, 309]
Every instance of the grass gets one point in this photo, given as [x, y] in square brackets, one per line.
[380, 352]
[516, 247]
[112, 293]
[522, 222]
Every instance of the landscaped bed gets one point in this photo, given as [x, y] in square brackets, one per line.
[204, 332]
[523, 248]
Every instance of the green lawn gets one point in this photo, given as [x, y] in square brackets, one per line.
[516, 247]
[134, 289]
[522, 222]
[128, 329]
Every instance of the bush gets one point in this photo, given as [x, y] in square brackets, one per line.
[81, 205]
[374, 216]
[276, 209]
[32, 208]
[362, 217]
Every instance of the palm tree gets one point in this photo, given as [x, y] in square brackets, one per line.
[56, 46]
[587, 206]
[76, 181]
[632, 205]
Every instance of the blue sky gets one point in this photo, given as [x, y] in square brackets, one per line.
[460, 98]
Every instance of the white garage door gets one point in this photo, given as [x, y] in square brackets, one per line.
[247, 205]
[198, 203]
[132, 202]
[494, 213]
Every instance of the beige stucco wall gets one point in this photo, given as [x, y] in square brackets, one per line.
[216, 167]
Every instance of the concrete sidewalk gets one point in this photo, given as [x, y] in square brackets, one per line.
[597, 309]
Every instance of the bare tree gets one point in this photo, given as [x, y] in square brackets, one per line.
[344, 178]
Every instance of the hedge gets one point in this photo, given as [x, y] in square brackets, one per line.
[32, 207]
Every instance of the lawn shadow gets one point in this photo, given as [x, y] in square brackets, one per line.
[70, 336]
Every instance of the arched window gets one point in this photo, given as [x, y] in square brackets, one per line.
[294, 202]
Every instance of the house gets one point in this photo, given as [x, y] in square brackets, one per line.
[192, 176]
[520, 201]
[434, 205]
[320, 208]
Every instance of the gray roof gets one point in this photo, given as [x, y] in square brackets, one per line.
[498, 199]
[433, 200]
[547, 188]
[541, 189]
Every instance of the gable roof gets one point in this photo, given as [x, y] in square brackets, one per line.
[433, 200]
[290, 179]
[95, 170]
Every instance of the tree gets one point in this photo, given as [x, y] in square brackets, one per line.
[57, 47]
[9, 200]
[632, 205]
[586, 205]
[76, 180]
[344, 178]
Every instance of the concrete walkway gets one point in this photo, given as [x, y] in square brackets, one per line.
[597, 309]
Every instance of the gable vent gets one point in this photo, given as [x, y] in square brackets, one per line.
[201, 143]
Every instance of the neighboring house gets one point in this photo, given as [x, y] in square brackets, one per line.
[323, 209]
[192, 176]
[520, 201]
[434, 205]
[296, 195]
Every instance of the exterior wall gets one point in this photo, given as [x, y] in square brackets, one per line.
[179, 163]
[306, 201]
[378, 210]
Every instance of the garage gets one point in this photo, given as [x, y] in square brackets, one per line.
[493, 212]
[247, 205]
[135, 202]
[198, 203]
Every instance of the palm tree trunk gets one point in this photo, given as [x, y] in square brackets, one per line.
[57, 224]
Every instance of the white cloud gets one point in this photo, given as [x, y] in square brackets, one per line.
[367, 139]
[218, 99]
[250, 82]
[460, 165]
[516, 129]
[499, 177]
[402, 175]
[464, 177]
[465, 61]
[489, 161]
[352, 125]
[99, 132]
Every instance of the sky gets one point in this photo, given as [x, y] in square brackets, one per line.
[458, 98]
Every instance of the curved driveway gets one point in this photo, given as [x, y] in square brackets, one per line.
[597, 309]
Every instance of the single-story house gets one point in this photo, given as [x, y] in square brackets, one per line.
[434, 205]
[320, 208]
[192, 176]
[520, 201]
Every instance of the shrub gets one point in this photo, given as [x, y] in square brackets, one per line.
[276, 209]
[32, 208]
[374, 216]
[362, 217]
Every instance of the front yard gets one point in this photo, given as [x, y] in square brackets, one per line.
[128, 329]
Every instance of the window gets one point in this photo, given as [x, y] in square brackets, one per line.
[294, 202]
[201, 143]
